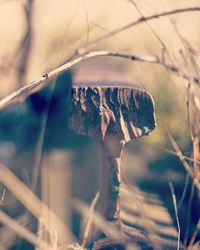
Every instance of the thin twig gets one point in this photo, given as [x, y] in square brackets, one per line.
[171, 152]
[188, 86]
[186, 46]
[140, 21]
[21, 94]
[163, 46]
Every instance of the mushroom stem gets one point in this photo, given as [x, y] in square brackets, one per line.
[112, 114]
[110, 179]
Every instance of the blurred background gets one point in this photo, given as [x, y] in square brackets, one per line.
[57, 165]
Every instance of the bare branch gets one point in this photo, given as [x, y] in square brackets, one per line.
[140, 21]
[163, 46]
[21, 94]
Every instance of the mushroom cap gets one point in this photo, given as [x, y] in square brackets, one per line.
[103, 110]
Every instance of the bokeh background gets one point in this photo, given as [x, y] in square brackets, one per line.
[38, 36]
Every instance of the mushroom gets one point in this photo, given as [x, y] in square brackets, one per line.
[113, 115]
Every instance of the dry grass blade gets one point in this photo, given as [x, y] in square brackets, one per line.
[8, 237]
[176, 214]
[23, 232]
[184, 162]
[196, 149]
[186, 184]
[88, 221]
[194, 236]
[99, 221]
[2, 197]
[34, 205]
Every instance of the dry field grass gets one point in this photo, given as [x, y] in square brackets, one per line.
[49, 179]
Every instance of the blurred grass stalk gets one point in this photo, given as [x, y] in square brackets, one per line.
[98, 221]
[55, 190]
[22, 232]
[34, 205]
[88, 221]
[112, 233]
